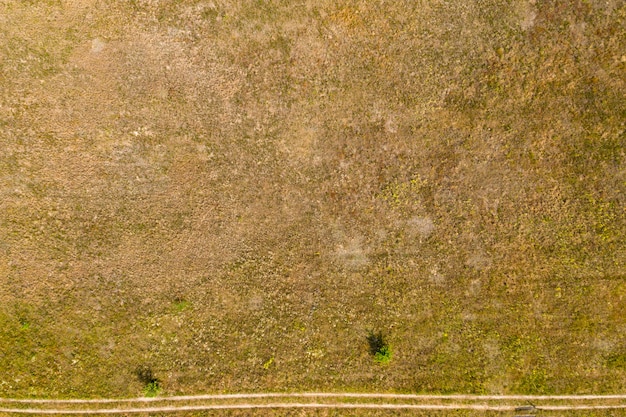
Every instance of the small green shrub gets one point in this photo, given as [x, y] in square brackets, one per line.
[152, 385]
[379, 348]
[383, 356]
[152, 389]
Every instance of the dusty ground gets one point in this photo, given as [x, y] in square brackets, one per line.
[233, 193]
[327, 404]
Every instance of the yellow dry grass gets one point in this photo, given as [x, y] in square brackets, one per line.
[208, 187]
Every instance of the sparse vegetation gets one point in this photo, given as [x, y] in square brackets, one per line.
[201, 185]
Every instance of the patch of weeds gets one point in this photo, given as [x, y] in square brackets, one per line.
[181, 304]
[383, 356]
[24, 314]
[379, 348]
[152, 385]
[402, 195]
[209, 13]
[298, 325]
[281, 44]
[152, 389]
[24, 324]
[269, 363]
[535, 382]
[616, 361]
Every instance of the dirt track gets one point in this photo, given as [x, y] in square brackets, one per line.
[322, 395]
[254, 401]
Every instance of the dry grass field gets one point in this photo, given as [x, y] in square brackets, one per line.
[233, 194]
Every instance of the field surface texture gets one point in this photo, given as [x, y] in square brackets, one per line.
[224, 196]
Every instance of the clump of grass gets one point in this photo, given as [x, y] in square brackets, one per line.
[379, 348]
[152, 385]
[180, 304]
[269, 363]
[24, 324]
[616, 361]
